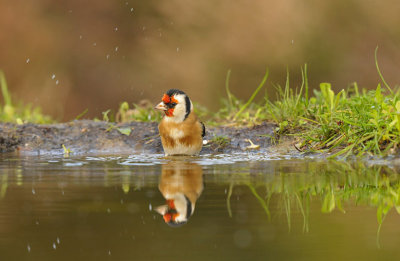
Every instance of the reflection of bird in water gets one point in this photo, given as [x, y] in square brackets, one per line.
[181, 133]
[181, 184]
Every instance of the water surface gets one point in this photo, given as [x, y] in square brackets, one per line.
[246, 206]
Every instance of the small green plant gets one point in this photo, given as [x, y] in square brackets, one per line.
[238, 112]
[219, 142]
[20, 113]
[66, 150]
[143, 112]
[105, 115]
[291, 106]
[81, 114]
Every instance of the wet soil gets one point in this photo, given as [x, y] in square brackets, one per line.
[86, 137]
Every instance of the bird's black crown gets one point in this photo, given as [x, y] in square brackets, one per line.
[171, 92]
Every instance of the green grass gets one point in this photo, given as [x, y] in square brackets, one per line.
[349, 122]
[18, 113]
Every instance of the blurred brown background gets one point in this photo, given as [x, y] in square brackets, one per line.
[66, 56]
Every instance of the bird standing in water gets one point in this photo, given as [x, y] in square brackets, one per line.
[180, 130]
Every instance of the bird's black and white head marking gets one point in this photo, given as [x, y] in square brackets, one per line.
[180, 104]
[182, 218]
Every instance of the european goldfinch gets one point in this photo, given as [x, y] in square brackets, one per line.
[181, 132]
[181, 184]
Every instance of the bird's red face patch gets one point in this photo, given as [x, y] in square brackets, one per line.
[169, 101]
[167, 217]
[169, 112]
[170, 203]
[166, 99]
[171, 215]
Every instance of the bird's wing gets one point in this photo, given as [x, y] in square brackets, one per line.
[204, 130]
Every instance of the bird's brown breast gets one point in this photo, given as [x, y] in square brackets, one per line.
[185, 134]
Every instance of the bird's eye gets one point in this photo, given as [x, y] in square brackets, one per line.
[173, 104]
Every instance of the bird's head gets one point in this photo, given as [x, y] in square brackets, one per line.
[176, 105]
[177, 210]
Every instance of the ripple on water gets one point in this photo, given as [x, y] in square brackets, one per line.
[159, 159]
[74, 164]
[237, 157]
[142, 160]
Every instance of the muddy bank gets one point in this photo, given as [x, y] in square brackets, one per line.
[88, 137]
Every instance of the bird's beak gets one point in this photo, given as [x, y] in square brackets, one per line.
[161, 209]
[161, 106]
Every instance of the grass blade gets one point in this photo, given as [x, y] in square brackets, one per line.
[379, 71]
[252, 96]
[4, 90]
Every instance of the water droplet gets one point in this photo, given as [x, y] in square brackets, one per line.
[107, 56]
[116, 48]
[226, 191]
[292, 41]
[109, 252]
[57, 82]
[62, 192]
[28, 60]
[37, 222]
[80, 37]
[116, 29]
[33, 191]
[53, 76]
[177, 49]
[58, 240]
[150, 207]
[144, 28]
[28, 247]
[54, 246]
[94, 44]
[132, 9]
[108, 210]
